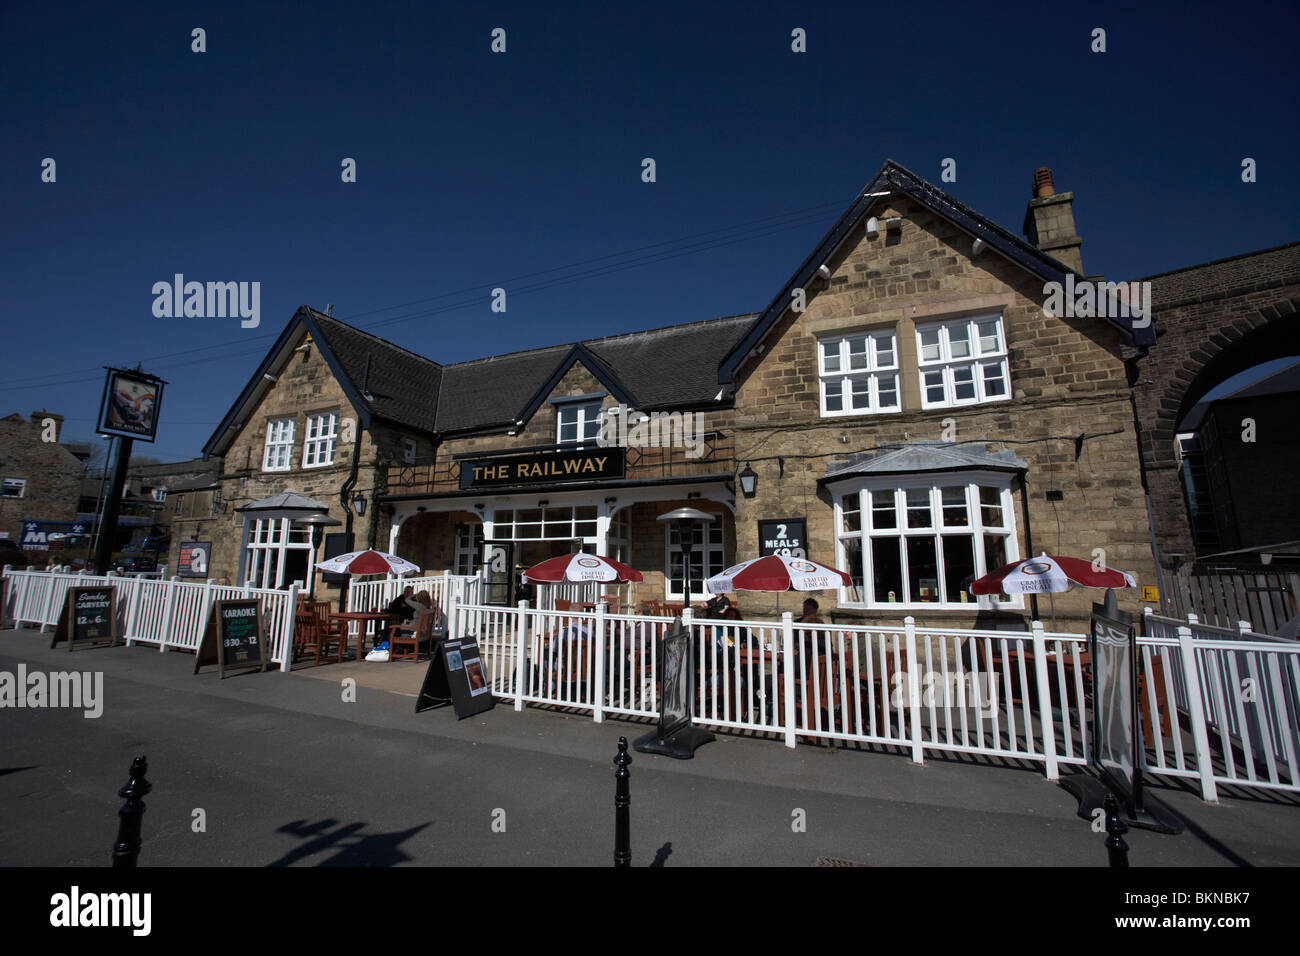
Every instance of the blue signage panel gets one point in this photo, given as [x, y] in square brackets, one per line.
[36, 534]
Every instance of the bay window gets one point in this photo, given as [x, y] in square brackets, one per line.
[915, 542]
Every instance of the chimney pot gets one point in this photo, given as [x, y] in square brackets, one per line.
[1043, 182]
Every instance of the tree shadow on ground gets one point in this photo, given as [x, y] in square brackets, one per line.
[5, 770]
[350, 846]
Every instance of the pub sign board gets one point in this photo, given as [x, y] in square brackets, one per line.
[544, 468]
[788, 536]
[233, 637]
[89, 617]
[1116, 732]
[195, 559]
[456, 675]
[129, 408]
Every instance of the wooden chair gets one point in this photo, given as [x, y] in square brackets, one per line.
[404, 635]
[309, 638]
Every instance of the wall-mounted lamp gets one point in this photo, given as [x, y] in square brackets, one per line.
[478, 507]
[873, 227]
[269, 377]
[977, 247]
[543, 503]
[610, 501]
[359, 505]
[748, 481]
[824, 271]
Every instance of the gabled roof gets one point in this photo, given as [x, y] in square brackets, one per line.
[672, 366]
[380, 379]
[923, 456]
[894, 179]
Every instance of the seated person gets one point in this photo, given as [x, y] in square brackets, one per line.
[399, 609]
[811, 643]
[739, 636]
[712, 608]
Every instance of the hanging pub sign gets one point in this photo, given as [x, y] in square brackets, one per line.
[130, 405]
[89, 616]
[195, 559]
[233, 637]
[543, 468]
[788, 536]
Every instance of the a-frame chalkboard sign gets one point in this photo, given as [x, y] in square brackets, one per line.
[456, 676]
[233, 637]
[89, 617]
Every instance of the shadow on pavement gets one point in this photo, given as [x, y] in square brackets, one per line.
[351, 846]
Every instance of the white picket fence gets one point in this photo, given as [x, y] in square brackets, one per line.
[442, 588]
[1018, 695]
[168, 614]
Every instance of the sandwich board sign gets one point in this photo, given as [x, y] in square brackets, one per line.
[233, 637]
[89, 617]
[456, 676]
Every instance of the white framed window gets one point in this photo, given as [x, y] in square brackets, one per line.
[708, 557]
[963, 362]
[915, 543]
[859, 373]
[180, 504]
[159, 494]
[278, 552]
[318, 444]
[469, 547]
[14, 488]
[577, 422]
[562, 523]
[409, 449]
[279, 444]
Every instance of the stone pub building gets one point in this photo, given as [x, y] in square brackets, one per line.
[905, 409]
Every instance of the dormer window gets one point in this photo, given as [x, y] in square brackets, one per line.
[577, 422]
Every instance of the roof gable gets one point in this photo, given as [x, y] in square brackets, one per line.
[893, 179]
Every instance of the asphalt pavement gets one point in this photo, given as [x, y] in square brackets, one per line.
[271, 769]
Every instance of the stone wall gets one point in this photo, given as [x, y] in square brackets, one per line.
[52, 473]
[1067, 378]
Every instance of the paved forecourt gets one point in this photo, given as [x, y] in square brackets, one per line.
[284, 770]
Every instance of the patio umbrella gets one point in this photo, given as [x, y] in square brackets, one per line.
[367, 562]
[1049, 574]
[778, 572]
[581, 568]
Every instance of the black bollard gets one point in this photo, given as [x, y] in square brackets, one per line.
[622, 801]
[1116, 848]
[131, 817]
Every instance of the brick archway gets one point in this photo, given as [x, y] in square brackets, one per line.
[1212, 321]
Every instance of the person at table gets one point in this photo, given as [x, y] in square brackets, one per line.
[811, 643]
[400, 609]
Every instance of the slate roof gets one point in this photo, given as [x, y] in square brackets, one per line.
[920, 456]
[284, 501]
[1221, 278]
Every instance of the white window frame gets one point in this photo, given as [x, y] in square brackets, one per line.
[845, 376]
[469, 547]
[276, 536]
[714, 562]
[586, 415]
[975, 528]
[279, 438]
[318, 443]
[975, 361]
[19, 483]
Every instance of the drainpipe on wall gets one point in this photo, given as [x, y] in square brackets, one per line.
[1029, 537]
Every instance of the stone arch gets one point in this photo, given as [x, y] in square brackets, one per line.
[1212, 322]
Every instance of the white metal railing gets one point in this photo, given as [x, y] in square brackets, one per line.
[1022, 695]
[168, 614]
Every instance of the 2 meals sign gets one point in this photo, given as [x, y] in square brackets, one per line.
[788, 536]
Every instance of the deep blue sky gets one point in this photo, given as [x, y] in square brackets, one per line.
[477, 169]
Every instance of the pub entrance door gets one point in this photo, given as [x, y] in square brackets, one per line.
[499, 578]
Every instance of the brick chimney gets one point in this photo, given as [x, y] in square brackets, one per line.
[1049, 222]
[39, 417]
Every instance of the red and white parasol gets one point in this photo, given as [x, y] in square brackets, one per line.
[778, 572]
[1048, 574]
[576, 568]
[367, 562]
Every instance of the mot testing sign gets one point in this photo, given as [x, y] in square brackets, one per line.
[788, 536]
